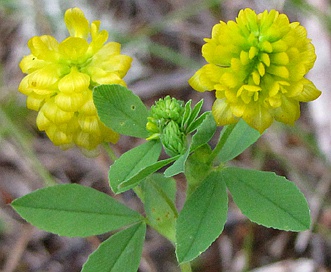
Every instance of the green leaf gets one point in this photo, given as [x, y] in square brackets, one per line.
[240, 136]
[268, 199]
[196, 123]
[205, 131]
[202, 218]
[121, 110]
[121, 252]
[197, 168]
[187, 113]
[194, 114]
[132, 162]
[74, 210]
[143, 173]
[196, 110]
[159, 195]
[178, 166]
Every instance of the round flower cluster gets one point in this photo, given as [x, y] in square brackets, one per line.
[165, 123]
[257, 66]
[61, 76]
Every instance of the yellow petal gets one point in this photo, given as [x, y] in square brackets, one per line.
[95, 26]
[246, 97]
[230, 95]
[70, 102]
[77, 24]
[222, 113]
[55, 114]
[220, 91]
[252, 20]
[288, 112]
[118, 63]
[230, 79]
[108, 50]
[70, 127]
[280, 71]
[57, 136]
[100, 76]
[88, 108]
[252, 88]
[309, 56]
[244, 57]
[74, 49]
[279, 58]
[297, 72]
[200, 81]
[87, 140]
[273, 88]
[253, 51]
[256, 77]
[239, 108]
[89, 124]
[31, 63]
[265, 59]
[275, 101]
[279, 46]
[309, 92]
[35, 101]
[75, 81]
[42, 82]
[261, 69]
[266, 47]
[42, 78]
[98, 37]
[294, 54]
[295, 88]
[217, 54]
[24, 87]
[42, 122]
[257, 117]
[299, 30]
[44, 48]
[267, 19]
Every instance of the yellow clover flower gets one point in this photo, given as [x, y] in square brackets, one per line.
[257, 66]
[60, 78]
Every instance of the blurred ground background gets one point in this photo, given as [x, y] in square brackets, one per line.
[164, 37]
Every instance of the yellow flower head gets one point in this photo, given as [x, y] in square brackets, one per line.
[257, 66]
[60, 78]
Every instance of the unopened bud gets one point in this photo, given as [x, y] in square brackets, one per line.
[164, 111]
[173, 139]
[168, 108]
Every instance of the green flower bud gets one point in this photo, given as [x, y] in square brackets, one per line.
[164, 111]
[152, 125]
[168, 108]
[173, 139]
[153, 128]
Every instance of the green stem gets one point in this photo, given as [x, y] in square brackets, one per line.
[185, 267]
[222, 140]
[110, 152]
